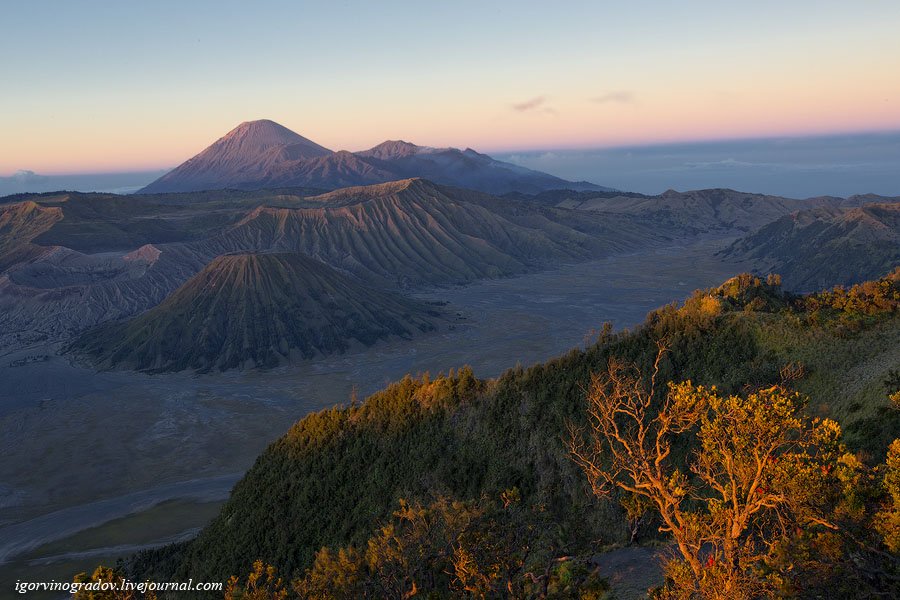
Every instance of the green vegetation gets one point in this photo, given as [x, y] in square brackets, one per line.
[483, 548]
[336, 479]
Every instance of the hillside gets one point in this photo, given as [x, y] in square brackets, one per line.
[254, 310]
[820, 245]
[264, 154]
[338, 474]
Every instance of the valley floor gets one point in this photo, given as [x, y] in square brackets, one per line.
[95, 465]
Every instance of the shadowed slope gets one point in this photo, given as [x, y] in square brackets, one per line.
[827, 245]
[254, 310]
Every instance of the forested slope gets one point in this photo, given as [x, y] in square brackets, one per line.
[338, 474]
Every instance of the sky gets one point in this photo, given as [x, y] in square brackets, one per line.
[94, 87]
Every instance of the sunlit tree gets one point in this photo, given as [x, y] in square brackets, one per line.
[263, 583]
[755, 471]
[888, 519]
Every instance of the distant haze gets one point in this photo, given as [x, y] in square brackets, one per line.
[117, 183]
[793, 167]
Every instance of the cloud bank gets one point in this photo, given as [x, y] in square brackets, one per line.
[792, 167]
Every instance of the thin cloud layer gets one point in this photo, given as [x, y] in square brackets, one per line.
[536, 104]
[528, 105]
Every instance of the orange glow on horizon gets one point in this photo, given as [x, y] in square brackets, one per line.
[600, 75]
[657, 116]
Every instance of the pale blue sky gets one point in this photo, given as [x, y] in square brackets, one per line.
[95, 86]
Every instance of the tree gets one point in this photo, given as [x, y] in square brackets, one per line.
[262, 583]
[450, 548]
[333, 576]
[888, 519]
[727, 475]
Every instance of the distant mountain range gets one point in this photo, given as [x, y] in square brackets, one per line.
[263, 154]
[70, 262]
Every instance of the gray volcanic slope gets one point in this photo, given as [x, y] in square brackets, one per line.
[254, 310]
[242, 154]
[825, 246]
[263, 154]
[408, 232]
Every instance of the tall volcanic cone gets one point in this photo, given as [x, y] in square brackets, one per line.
[240, 155]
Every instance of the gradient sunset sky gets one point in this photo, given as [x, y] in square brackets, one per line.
[95, 86]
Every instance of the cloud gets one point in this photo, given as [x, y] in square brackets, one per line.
[23, 177]
[532, 104]
[730, 163]
[617, 97]
[726, 163]
[536, 104]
